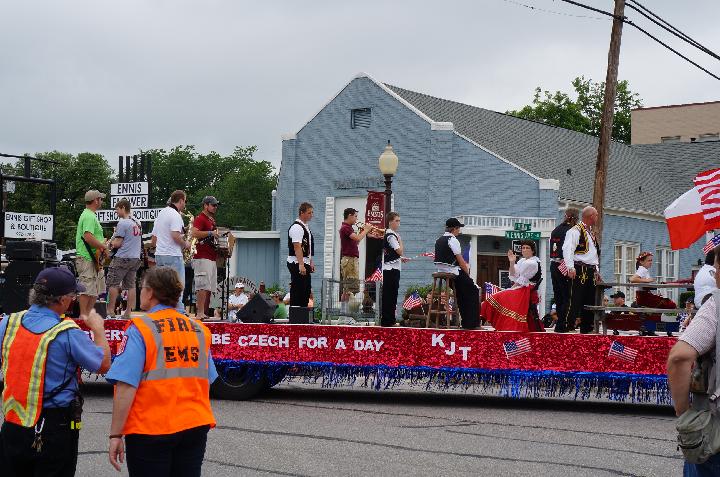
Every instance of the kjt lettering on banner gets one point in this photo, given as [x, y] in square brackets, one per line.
[19, 225]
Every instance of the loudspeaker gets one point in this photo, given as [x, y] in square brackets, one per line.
[258, 310]
[300, 315]
[18, 279]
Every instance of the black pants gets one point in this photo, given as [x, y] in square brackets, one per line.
[300, 285]
[581, 293]
[468, 300]
[177, 455]
[57, 457]
[561, 291]
[390, 285]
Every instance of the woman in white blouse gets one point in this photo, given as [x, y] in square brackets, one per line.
[645, 298]
[515, 309]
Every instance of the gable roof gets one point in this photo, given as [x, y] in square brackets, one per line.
[569, 156]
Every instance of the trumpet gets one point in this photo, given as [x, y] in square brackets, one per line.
[374, 231]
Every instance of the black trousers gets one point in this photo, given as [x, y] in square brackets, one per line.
[177, 455]
[581, 293]
[390, 285]
[300, 285]
[561, 292]
[57, 457]
[468, 299]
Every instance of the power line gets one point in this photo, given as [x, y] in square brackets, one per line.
[531, 7]
[671, 29]
[654, 38]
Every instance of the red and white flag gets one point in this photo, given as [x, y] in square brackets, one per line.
[562, 268]
[375, 277]
[685, 220]
[708, 186]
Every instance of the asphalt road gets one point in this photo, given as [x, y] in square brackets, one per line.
[302, 430]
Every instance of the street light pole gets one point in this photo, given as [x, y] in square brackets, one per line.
[388, 163]
[388, 196]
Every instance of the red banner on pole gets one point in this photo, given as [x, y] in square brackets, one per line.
[375, 211]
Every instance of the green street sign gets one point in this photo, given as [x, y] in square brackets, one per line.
[520, 227]
[515, 235]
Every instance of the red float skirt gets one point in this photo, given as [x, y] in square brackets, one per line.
[651, 300]
[510, 310]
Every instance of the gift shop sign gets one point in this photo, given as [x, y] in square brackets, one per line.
[19, 225]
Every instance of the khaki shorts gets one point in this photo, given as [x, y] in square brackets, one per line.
[205, 274]
[123, 272]
[92, 280]
[349, 270]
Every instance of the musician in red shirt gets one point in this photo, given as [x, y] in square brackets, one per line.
[205, 259]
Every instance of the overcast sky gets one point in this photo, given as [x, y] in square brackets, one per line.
[114, 77]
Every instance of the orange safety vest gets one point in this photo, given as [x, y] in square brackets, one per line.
[24, 355]
[174, 392]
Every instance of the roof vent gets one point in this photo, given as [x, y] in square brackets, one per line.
[569, 172]
[360, 118]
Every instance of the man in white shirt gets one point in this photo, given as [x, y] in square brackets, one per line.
[168, 238]
[581, 258]
[236, 301]
[301, 248]
[704, 283]
[449, 259]
[392, 264]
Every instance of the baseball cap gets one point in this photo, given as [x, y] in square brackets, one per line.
[453, 222]
[618, 294]
[239, 285]
[209, 199]
[59, 281]
[93, 194]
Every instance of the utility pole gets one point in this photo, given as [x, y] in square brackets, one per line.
[606, 122]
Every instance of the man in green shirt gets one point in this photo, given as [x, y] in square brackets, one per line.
[89, 239]
[280, 309]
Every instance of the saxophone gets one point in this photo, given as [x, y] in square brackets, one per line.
[188, 253]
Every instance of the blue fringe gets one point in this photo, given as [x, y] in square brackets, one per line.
[514, 383]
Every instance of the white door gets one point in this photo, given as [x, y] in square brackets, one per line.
[342, 203]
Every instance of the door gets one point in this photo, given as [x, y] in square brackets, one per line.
[489, 268]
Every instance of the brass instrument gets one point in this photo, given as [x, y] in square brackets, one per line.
[188, 253]
[375, 232]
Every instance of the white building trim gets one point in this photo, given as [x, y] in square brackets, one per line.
[256, 234]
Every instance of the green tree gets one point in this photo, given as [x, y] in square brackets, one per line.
[582, 111]
[74, 175]
[242, 184]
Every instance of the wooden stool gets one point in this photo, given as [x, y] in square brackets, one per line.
[442, 283]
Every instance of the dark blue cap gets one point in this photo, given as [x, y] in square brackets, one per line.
[59, 281]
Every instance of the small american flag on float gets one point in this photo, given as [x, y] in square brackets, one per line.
[513, 348]
[412, 301]
[491, 289]
[562, 268]
[375, 277]
[712, 243]
[428, 254]
[621, 351]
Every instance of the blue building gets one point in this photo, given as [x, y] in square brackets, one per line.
[489, 169]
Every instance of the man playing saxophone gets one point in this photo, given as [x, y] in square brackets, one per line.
[168, 238]
[204, 263]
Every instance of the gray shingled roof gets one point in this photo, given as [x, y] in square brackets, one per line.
[552, 152]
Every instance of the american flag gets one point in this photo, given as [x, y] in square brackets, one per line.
[513, 348]
[708, 186]
[491, 289]
[428, 254]
[412, 301]
[714, 242]
[375, 277]
[621, 351]
[562, 268]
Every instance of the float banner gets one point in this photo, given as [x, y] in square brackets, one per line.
[530, 364]
[375, 209]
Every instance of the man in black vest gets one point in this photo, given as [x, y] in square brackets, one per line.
[582, 259]
[301, 249]
[392, 264]
[448, 259]
[560, 282]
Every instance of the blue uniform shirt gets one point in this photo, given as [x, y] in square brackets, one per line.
[128, 366]
[70, 349]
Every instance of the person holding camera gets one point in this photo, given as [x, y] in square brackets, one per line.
[42, 353]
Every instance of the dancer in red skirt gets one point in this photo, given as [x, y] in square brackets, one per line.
[643, 264]
[515, 309]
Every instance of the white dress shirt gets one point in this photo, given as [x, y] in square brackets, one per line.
[395, 264]
[456, 250]
[296, 233]
[525, 269]
[572, 239]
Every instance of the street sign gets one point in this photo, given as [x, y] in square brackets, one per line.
[514, 235]
[516, 247]
[142, 215]
[520, 227]
[37, 226]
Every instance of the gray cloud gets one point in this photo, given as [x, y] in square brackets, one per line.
[111, 77]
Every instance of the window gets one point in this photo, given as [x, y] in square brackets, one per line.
[668, 139]
[708, 137]
[360, 118]
[666, 264]
[625, 254]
